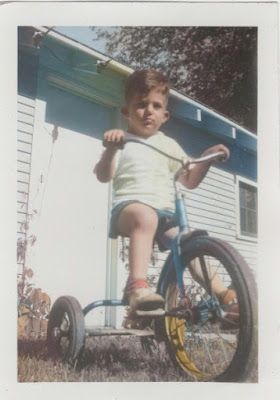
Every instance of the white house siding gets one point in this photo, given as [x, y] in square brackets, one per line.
[212, 206]
[25, 108]
[69, 256]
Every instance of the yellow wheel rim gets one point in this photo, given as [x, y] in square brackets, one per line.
[176, 332]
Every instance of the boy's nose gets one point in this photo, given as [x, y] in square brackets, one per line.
[149, 109]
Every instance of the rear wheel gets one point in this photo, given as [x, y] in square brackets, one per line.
[206, 338]
[66, 329]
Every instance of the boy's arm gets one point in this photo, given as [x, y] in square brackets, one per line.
[192, 178]
[105, 168]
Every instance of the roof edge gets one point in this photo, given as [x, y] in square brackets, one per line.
[124, 70]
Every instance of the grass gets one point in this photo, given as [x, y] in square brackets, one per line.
[105, 359]
[116, 359]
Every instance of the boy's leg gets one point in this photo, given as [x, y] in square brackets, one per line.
[217, 284]
[139, 222]
[224, 294]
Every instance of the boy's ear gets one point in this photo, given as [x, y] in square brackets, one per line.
[125, 111]
[166, 115]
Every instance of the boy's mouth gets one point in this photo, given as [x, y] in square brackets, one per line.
[148, 121]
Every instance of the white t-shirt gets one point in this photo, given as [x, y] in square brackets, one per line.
[143, 174]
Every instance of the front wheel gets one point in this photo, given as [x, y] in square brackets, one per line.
[204, 337]
[66, 329]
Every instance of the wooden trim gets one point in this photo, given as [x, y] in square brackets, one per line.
[239, 235]
[112, 272]
[78, 90]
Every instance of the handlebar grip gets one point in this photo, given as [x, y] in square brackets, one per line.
[222, 156]
[219, 154]
[119, 145]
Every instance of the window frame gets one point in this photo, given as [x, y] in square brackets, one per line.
[240, 235]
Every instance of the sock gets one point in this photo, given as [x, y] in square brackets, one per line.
[134, 284]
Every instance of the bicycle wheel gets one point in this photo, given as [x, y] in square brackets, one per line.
[66, 329]
[201, 337]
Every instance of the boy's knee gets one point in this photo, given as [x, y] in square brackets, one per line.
[145, 217]
[139, 216]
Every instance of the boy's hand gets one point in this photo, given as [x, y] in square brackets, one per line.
[196, 174]
[114, 138]
[105, 169]
[216, 149]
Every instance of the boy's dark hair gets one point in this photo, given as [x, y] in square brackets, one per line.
[144, 81]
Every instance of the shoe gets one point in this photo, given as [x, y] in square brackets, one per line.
[230, 319]
[144, 299]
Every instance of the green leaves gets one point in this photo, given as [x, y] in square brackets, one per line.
[214, 65]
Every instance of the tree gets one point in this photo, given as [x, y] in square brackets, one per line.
[213, 65]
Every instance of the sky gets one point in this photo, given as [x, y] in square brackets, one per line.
[82, 34]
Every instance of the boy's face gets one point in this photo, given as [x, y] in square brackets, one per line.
[146, 113]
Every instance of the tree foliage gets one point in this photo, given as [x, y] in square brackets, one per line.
[213, 65]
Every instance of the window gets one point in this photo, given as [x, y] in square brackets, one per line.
[248, 208]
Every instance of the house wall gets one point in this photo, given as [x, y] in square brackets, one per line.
[71, 253]
[25, 126]
[213, 206]
[70, 256]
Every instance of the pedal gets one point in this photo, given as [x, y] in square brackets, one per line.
[159, 312]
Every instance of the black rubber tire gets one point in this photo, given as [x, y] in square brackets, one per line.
[66, 329]
[244, 358]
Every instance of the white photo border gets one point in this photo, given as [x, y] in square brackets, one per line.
[264, 15]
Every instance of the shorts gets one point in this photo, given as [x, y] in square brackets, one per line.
[166, 220]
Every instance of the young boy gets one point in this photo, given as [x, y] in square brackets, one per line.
[142, 205]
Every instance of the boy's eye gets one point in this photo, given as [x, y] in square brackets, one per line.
[142, 105]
